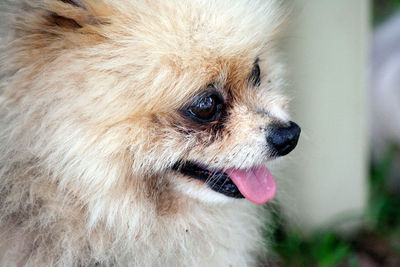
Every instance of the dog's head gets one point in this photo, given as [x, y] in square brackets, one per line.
[185, 91]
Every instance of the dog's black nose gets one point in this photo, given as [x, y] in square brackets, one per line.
[283, 139]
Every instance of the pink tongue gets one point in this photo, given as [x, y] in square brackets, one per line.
[256, 184]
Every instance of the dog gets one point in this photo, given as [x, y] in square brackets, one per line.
[137, 132]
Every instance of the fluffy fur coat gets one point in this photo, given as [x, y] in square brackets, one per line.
[88, 130]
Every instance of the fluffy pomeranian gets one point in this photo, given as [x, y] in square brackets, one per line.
[137, 132]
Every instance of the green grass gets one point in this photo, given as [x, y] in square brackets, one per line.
[378, 241]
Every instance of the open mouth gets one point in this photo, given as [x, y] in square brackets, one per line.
[256, 183]
[217, 180]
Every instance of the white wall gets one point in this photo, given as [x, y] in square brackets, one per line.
[328, 54]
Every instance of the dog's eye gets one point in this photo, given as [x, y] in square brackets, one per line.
[255, 75]
[206, 107]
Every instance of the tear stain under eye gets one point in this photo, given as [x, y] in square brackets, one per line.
[202, 130]
[204, 133]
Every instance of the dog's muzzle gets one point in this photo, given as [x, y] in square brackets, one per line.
[283, 138]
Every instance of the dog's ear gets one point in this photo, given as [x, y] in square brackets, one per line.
[38, 29]
[45, 27]
[56, 17]
[68, 20]
[72, 14]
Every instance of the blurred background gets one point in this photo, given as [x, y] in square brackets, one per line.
[340, 202]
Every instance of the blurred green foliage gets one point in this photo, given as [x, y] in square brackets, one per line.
[378, 243]
[383, 9]
[323, 249]
[384, 208]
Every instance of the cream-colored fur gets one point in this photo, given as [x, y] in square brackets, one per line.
[89, 130]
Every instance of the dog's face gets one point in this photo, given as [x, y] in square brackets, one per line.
[184, 91]
[227, 130]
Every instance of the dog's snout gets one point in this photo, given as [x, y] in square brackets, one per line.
[283, 139]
